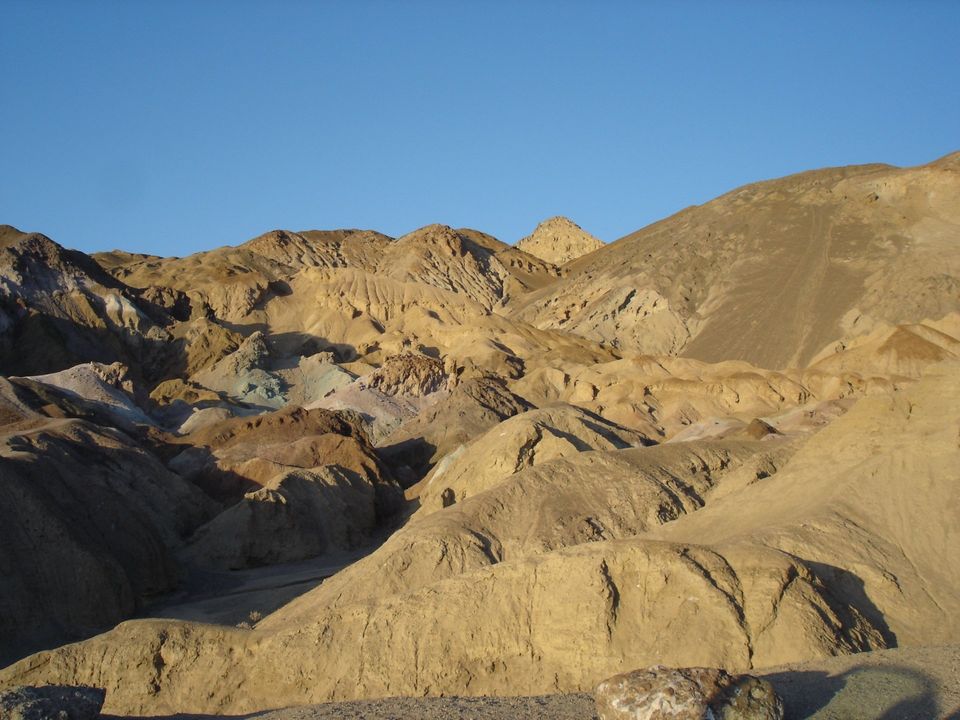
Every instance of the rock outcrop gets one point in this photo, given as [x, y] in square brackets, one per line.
[779, 568]
[584, 498]
[58, 308]
[295, 515]
[541, 504]
[89, 524]
[660, 693]
[472, 407]
[559, 240]
[554, 622]
[295, 483]
[519, 442]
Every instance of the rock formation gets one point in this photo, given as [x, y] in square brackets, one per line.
[686, 694]
[524, 440]
[90, 521]
[728, 440]
[559, 240]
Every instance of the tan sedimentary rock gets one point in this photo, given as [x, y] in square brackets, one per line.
[472, 407]
[798, 508]
[786, 567]
[560, 621]
[867, 503]
[559, 240]
[584, 498]
[297, 514]
[524, 440]
[772, 272]
[89, 523]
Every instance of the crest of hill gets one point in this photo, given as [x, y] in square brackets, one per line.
[772, 272]
[233, 281]
[59, 308]
[559, 240]
[465, 262]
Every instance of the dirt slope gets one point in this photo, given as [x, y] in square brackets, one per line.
[772, 272]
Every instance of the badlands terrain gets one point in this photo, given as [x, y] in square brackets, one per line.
[336, 466]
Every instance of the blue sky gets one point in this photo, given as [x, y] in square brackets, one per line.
[180, 126]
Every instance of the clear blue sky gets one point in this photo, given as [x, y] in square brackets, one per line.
[172, 127]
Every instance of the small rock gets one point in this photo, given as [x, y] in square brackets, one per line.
[662, 693]
[51, 702]
[759, 429]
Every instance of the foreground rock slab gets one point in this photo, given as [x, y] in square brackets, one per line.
[52, 702]
[662, 693]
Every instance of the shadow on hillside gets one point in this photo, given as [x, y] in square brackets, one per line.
[865, 692]
[846, 585]
[294, 344]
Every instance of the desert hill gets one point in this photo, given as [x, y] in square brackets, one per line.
[232, 281]
[59, 308]
[802, 576]
[773, 272]
[84, 507]
[727, 439]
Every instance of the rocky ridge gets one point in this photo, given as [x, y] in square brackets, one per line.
[739, 423]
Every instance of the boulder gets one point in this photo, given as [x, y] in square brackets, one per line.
[698, 693]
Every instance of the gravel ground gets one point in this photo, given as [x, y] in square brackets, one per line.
[902, 684]
[555, 707]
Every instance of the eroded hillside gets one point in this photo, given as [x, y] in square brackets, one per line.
[728, 439]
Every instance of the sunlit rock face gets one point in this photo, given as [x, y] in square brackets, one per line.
[442, 465]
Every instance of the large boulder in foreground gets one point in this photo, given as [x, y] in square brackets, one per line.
[662, 693]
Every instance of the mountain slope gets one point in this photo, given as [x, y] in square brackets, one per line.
[772, 272]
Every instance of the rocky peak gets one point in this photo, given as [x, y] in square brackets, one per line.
[34, 262]
[559, 240]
